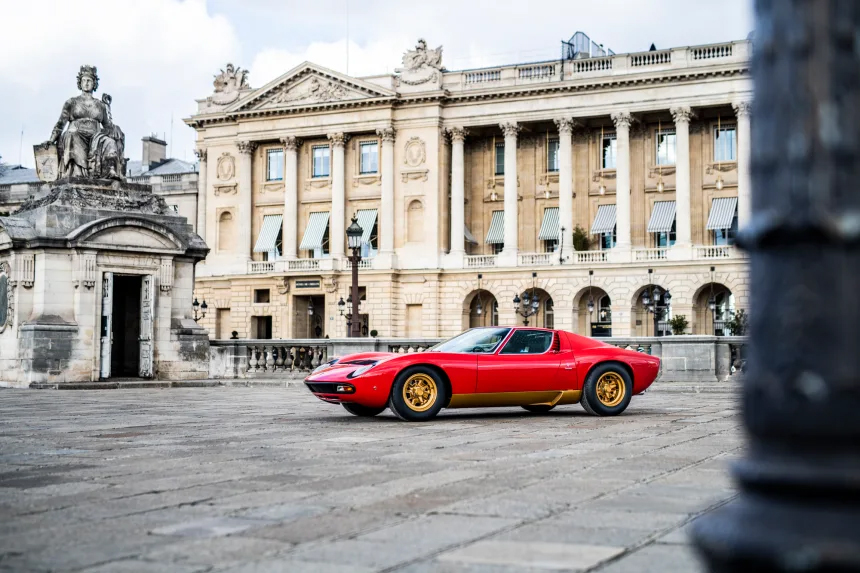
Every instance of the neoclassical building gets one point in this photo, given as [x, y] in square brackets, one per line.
[583, 182]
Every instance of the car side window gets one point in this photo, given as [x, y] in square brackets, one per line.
[528, 342]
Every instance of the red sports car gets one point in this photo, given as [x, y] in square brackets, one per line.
[535, 368]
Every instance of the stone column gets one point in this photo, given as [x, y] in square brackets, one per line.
[622, 180]
[201, 194]
[386, 217]
[337, 224]
[565, 181]
[683, 235]
[511, 248]
[458, 191]
[742, 109]
[246, 199]
[291, 196]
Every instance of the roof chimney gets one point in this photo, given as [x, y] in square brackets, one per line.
[154, 151]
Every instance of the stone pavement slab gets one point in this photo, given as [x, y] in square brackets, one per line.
[271, 479]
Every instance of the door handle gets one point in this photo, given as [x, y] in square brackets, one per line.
[568, 367]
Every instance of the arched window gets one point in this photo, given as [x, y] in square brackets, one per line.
[415, 222]
[226, 232]
[548, 314]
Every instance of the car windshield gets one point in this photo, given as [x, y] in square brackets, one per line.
[482, 340]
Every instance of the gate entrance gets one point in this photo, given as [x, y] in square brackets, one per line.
[126, 333]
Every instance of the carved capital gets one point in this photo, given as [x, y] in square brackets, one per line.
[338, 139]
[387, 134]
[742, 108]
[291, 143]
[201, 155]
[622, 120]
[682, 114]
[510, 129]
[246, 147]
[566, 125]
[457, 134]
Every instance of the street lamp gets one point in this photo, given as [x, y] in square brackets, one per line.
[353, 238]
[527, 305]
[346, 312]
[199, 309]
[652, 297]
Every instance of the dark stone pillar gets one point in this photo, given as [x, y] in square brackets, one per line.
[799, 508]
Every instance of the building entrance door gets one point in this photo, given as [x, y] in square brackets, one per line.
[127, 326]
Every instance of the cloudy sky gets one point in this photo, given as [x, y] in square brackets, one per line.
[155, 57]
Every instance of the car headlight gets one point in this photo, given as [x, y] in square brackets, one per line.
[322, 367]
[360, 371]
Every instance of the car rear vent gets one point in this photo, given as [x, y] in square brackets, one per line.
[556, 343]
[360, 362]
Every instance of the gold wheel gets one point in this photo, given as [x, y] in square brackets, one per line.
[420, 392]
[611, 389]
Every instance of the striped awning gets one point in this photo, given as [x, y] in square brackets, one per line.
[662, 217]
[549, 226]
[470, 238]
[314, 232]
[496, 234]
[268, 237]
[604, 221]
[723, 211]
[366, 220]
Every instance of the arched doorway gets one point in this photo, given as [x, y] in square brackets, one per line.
[652, 310]
[541, 306]
[483, 309]
[713, 307]
[593, 313]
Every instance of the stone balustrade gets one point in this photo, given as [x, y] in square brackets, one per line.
[689, 359]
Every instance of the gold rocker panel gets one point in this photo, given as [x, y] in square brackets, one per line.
[488, 399]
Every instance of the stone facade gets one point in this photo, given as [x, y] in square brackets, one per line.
[438, 155]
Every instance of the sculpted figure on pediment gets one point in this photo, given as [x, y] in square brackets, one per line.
[421, 65]
[228, 84]
[315, 90]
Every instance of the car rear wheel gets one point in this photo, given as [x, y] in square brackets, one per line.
[417, 395]
[607, 390]
[363, 411]
[538, 408]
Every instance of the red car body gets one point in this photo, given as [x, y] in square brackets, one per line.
[555, 377]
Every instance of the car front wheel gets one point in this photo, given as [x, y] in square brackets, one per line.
[607, 390]
[417, 395]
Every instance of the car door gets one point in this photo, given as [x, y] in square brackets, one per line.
[527, 362]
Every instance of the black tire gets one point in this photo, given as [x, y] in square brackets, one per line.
[418, 394]
[538, 408]
[363, 411]
[607, 390]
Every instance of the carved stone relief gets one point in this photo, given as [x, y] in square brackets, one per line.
[421, 65]
[6, 297]
[314, 90]
[225, 189]
[226, 167]
[415, 152]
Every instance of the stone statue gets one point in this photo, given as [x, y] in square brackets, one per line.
[421, 65]
[228, 84]
[92, 145]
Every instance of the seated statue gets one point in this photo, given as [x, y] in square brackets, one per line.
[93, 145]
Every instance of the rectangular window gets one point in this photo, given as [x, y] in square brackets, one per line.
[497, 248]
[371, 247]
[666, 147]
[222, 323]
[552, 156]
[369, 157]
[665, 239]
[261, 327]
[607, 240]
[261, 296]
[500, 159]
[550, 246]
[275, 165]
[725, 144]
[607, 152]
[727, 236]
[322, 160]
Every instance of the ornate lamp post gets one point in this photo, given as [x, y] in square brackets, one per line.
[799, 478]
[528, 305]
[199, 309]
[353, 240]
[345, 309]
[652, 297]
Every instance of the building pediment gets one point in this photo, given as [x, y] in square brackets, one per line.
[309, 85]
[127, 234]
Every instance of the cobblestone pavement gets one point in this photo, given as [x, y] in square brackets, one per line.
[265, 480]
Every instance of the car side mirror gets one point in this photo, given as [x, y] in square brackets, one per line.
[477, 349]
